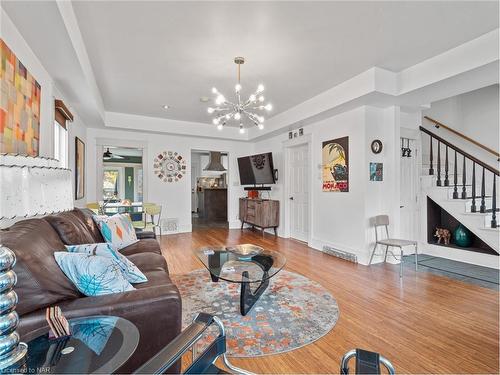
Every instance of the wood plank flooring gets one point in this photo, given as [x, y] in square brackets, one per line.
[426, 324]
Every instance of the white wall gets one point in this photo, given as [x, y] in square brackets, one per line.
[341, 220]
[175, 197]
[474, 114]
[22, 50]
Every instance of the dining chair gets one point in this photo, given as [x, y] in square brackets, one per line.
[154, 212]
[383, 221]
[94, 206]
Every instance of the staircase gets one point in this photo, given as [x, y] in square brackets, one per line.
[466, 188]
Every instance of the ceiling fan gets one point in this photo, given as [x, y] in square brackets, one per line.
[107, 155]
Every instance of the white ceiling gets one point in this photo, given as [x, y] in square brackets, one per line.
[146, 54]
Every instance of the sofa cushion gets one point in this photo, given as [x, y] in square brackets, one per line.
[104, 249]
[93, 275]
[70, 228]
[147, 245]
[86, 216]
[40, 282]
[117, 230]
[149, 262]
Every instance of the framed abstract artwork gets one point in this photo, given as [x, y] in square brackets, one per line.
[376, 172]
[20, 96]
[335, 166]
[79, 168]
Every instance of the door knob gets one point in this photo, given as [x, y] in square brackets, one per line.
[291, 198]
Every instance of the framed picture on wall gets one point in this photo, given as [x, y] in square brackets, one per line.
[336, 165]
[79, 168]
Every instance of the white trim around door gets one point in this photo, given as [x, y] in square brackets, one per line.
[288, 146]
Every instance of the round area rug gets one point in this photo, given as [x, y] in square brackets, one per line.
[294, 311]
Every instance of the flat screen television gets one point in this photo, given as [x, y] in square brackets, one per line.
[256, 169]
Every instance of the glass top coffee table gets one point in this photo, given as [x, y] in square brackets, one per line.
[98, 345]
[244, 264]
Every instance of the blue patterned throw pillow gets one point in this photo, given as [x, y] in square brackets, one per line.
[129, 269]
[92, 275]
[116, 230]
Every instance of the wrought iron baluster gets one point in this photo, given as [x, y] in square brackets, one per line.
[446, 180]
[473, 207]
[494, 204]
[431, 168]
[464, 179]
[482, 208]
[438, 182]
[455, 189]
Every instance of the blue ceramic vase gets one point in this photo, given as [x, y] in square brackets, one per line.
[462, 236]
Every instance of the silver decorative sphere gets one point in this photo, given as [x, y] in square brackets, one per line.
[12, 352]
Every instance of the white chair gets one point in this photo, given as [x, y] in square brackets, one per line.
[383, 221]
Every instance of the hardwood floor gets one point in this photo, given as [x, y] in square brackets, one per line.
[426, 324]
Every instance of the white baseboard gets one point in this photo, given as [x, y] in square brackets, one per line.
[234, 224]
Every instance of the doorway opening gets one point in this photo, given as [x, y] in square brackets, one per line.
[122, 181]
[209, 193]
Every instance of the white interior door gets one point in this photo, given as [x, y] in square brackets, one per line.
[299, 192]
[409, 209]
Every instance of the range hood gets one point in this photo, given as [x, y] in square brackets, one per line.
[214, 162]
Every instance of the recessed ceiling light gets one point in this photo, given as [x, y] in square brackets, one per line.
[166, 106]
[204, 99]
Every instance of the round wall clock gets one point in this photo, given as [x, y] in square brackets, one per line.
[169, 166]
[376, 146]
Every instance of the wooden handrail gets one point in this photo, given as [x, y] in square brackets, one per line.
[439, 124]
[457, 149]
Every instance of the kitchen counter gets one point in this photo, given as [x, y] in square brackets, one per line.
[212, 203]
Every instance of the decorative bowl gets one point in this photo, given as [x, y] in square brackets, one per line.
[246, 250]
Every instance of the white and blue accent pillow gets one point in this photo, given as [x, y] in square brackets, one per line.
[116, 230]
[129, 269]
[92, 275]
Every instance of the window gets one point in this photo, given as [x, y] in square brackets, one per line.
[61, 116]
[61, 145]
[111, 184]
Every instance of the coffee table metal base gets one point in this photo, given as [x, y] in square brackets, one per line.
[247, 297]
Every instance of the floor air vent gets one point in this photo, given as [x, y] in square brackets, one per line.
[340, 254]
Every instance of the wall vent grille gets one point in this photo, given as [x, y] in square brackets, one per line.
[170, 224]
[340, 254]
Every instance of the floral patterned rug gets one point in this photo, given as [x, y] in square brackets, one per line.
[293, 312]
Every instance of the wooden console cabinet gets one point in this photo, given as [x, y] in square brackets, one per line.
[260, 213]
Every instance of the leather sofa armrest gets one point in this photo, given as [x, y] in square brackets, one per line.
[145, 234]
[139, 302]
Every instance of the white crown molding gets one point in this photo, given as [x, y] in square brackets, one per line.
[469, 66]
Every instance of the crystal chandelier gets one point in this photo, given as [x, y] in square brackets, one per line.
[225, 110]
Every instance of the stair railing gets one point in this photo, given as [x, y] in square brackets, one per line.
[456, 184]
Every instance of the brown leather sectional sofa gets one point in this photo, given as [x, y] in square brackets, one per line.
[154, 307]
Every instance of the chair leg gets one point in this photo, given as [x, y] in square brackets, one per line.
[401, 264]
[386, 250]
[416, 257]
[373, 253]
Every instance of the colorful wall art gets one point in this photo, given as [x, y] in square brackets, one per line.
[169, 166]
[336, 165]
[20, 96]
[376, 172]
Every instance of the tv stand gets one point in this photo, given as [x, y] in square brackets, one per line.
[260, 213]
[267, 188]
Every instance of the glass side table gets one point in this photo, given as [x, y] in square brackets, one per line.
[98, 345]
